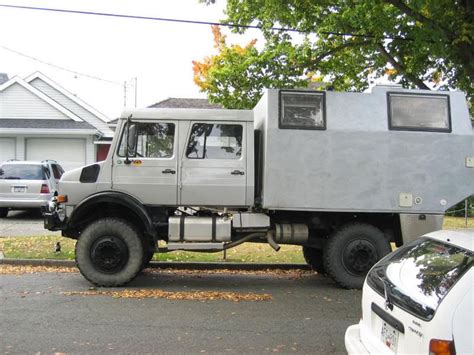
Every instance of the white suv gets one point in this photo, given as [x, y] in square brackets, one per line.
[27, 184]
[419, 299]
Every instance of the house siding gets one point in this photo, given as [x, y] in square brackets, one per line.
[16, 102]
[69, 104]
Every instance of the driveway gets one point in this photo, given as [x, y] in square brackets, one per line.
[23, 224]
[60, 313]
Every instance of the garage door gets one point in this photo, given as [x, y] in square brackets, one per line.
[7, 149]
[70, 153]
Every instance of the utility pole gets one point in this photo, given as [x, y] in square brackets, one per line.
[125, 94]
[136, 90]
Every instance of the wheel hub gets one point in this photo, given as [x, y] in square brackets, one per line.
[359, 256]
[109, 254]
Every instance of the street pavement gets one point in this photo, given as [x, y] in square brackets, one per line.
[23, 224]
[307, 314]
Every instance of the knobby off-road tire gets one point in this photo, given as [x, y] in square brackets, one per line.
[3, 212]
[351, 251]
[314, 258]
[109, 252]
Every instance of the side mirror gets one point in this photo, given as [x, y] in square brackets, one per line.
[130, 146]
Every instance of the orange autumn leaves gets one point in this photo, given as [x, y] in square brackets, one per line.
[202, 69]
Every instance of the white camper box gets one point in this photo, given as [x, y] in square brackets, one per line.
[357, 162]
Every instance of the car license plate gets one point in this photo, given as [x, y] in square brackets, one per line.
[19, 189]
[389, 336]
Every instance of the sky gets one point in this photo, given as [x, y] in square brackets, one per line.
[158, 54]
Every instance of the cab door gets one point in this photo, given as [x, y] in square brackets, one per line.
[150, 172]
[214, 165]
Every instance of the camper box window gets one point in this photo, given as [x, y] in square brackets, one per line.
[302, 110]
[415, 112]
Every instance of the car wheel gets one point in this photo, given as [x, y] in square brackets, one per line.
[109, 252]
[3, 212]
[314, 257]
[351, 251]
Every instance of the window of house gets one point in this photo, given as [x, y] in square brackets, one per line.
[148, 140]
[419, 112]
[215, 141]
[302, 110]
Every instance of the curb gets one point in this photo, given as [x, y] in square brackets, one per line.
[167, 265]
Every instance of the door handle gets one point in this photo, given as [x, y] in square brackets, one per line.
[168, 171]
[237, 172]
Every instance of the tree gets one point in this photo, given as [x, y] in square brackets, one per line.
[426, 44]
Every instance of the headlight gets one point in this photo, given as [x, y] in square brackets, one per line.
[52, 206]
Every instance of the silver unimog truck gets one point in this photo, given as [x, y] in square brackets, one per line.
[341, 174]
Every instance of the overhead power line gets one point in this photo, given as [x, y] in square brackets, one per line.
[194, 22]
[60, 67]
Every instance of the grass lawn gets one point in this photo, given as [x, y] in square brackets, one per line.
[43, 248]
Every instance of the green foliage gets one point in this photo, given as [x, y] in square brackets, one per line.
[418, 43]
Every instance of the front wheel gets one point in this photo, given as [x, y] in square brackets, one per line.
[109, 252]
[351, 251]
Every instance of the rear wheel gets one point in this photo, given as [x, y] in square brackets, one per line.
[109, 252]
[351, 251]
[3, 212]
[314, 257]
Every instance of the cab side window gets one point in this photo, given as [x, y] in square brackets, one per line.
[215, 141]
[148, 140]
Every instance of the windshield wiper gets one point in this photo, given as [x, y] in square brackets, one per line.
[387, 294]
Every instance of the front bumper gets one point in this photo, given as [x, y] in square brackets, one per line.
[52, 221]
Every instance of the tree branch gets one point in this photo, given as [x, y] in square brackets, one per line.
[399, 4]
[341, 47]
[401, 69]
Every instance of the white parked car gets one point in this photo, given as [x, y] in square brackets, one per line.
[419, 299]
[27, 184]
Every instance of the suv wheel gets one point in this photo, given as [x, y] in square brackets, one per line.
[351, 251]
[109, 252]
[3, 212]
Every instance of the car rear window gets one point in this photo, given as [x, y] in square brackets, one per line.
[22, 172]
[419, 275]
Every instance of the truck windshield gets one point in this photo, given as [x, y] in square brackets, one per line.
[419, 275]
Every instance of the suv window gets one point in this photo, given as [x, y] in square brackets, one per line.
[419, 275]
[22, 172]
[152, 140]
[215, 141]
[57, 171]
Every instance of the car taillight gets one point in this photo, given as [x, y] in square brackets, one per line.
[44, 189]
[441, 347]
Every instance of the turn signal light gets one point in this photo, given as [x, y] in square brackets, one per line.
[441, 347]
[61, 198]
[44, 189]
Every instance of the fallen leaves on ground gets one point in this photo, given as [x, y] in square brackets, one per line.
[29, 269]
[291, 274]
[170, 295]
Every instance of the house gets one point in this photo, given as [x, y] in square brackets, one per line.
[174, 102]
[41, 120]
